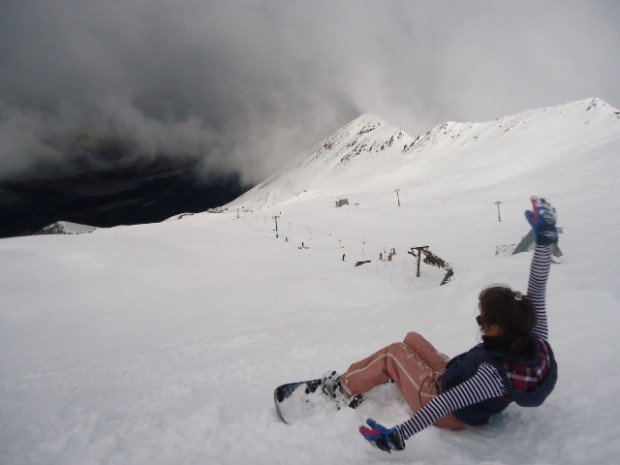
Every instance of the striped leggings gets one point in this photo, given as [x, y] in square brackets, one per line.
[414, 365]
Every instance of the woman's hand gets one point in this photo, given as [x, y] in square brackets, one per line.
[379, 436]
[542, 218]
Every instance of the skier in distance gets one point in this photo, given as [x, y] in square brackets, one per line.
[513, 363]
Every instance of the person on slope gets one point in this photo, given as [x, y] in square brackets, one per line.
[513, 363]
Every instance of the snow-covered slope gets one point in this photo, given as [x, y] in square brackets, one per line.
[162, 343]
[352, 154]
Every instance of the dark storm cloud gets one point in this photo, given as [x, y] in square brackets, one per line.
[246, 85]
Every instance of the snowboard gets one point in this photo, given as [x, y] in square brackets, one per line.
[303, 399]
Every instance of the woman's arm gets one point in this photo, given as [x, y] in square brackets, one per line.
[485, 384]
[542, 218]
[537, 287]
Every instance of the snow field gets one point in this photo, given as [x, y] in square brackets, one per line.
[162, 343]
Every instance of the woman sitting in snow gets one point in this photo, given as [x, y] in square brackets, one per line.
[513, 363]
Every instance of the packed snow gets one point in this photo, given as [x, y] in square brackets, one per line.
[163, 343]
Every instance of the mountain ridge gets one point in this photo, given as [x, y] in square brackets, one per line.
[368, 145]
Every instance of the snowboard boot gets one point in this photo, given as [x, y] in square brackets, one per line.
[332, 388]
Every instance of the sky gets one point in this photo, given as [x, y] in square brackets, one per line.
[246, 86]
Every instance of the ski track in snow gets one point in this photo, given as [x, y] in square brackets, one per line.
[162, 343]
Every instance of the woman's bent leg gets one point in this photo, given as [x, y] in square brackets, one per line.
[426, 351]
[430, 388]
[414, 365]
[397, 362]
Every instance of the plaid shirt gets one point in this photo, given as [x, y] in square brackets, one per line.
[526, 378]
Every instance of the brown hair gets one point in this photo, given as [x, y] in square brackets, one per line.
[512, 312]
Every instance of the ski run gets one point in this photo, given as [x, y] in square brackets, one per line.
[163, 343]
